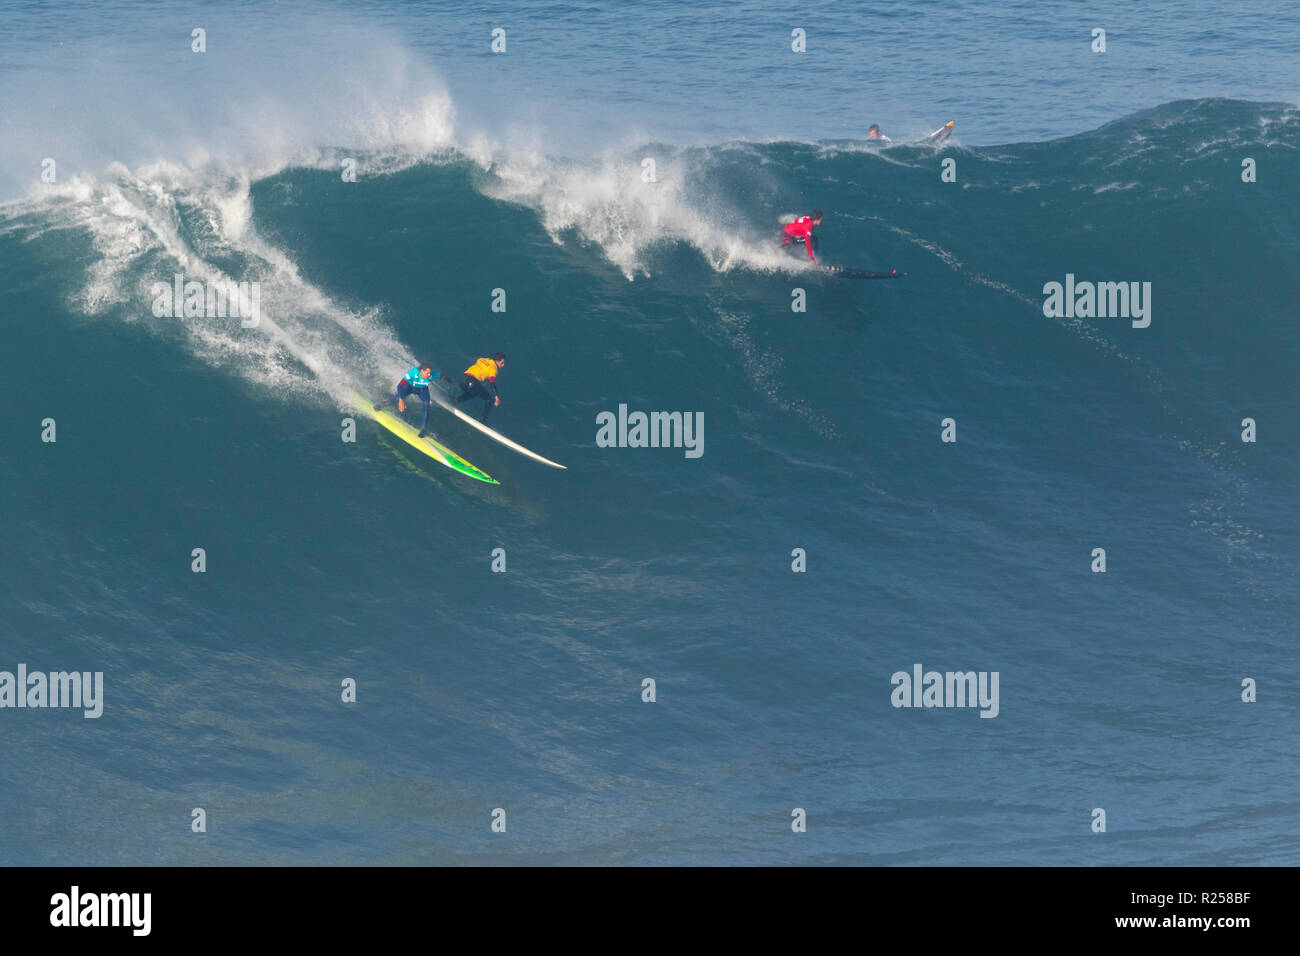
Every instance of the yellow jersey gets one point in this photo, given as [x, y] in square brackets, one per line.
[485, 370]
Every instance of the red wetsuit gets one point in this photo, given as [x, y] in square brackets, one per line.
[802, 229]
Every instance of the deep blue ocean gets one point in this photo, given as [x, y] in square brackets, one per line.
[621, 173]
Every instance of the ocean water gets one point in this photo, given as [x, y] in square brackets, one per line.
[329, 560]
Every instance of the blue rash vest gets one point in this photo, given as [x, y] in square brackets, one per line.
[414, 379]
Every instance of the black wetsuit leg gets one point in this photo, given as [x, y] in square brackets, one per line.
[473, 388]
[466, 389]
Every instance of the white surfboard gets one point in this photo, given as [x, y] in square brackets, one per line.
[496, 435]
[942, 133]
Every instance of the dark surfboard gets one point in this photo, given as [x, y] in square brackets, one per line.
[844, 273]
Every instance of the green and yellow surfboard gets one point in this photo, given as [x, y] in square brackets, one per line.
[434, 449]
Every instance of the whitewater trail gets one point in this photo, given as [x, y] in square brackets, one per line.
[144, 230]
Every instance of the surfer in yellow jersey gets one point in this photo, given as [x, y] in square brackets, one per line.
[481, 382]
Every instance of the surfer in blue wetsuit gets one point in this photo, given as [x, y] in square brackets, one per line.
[415, 382]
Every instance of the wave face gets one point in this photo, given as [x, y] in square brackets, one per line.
[329, 560]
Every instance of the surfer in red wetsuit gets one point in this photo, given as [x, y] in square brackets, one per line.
[801, 231]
